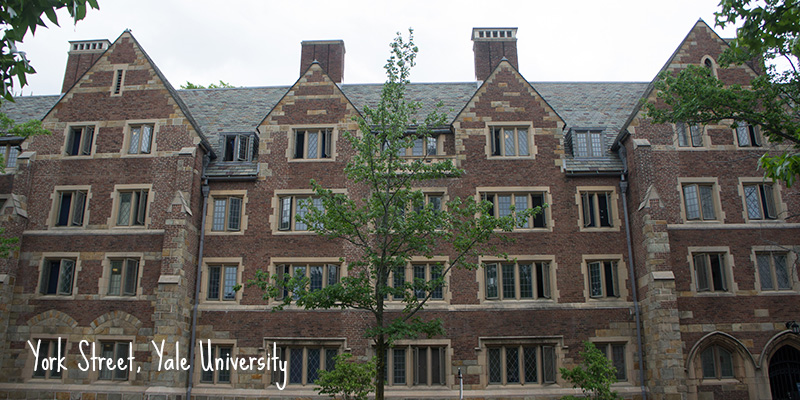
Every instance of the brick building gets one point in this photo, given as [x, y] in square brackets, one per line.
[141, 186]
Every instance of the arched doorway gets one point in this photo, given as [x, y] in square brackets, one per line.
[784, 374]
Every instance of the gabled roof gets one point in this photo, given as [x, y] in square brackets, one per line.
[452, 95]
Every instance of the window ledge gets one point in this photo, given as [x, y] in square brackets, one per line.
[719, 225]
[723, 381]
[69, 157]
[224, 233]
[306, 160]
[294, 233]
[531, 157]
[92, 232]
[603, 229]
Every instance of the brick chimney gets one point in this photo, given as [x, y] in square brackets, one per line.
[82, 55]
[329, 53]
[490, 45]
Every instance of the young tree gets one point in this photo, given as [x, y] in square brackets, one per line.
[769, 33]
[594, 376]
[350, 380]
[392, 221]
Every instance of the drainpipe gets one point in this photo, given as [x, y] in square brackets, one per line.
[623, 187]
[198, 276]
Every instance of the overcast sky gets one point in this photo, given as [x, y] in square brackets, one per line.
[257, 43]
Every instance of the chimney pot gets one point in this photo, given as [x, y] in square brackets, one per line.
[491, 46]
[81, 56]
[329, 54]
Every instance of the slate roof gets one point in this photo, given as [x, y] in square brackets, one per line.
[603, 105]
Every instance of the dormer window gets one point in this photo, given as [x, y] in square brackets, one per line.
[588, 143]
[239, 147]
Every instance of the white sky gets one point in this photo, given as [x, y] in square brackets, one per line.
[257, 43]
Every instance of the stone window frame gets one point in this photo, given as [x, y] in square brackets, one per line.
[629, 355]
[613, 206]
[282, 343]
[75, 256]
[103, 282]
[251, 149]
[791, 263]
[94, 374]
[554, 342]
[755, 133]
[439, 138]
[207, 304]
[115, 201]
[706, 60]
[728, 268]
[275, 262]
[127, 135]
[6, 150]
[274, 218]
[55, 207]
[590, 150]
[242, 194]
[621, 275]
[532, 148]
[68, 133]
[781, 208]
[718, 211]
[198, 370]
[447, 295]
[545, 190]
[410, 347]
[292, 143]
[30, 361]
[480, 277]
[704, 137]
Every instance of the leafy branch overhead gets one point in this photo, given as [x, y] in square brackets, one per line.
[17, 18]
[393, 221]
[694, 95]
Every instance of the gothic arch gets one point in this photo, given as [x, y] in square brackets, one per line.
[60, 317]
[722, 338]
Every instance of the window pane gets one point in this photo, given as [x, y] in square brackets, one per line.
[701, 269]
[147, 135]
[234, 213]
[512, 364]
[764, 271]
[107, 351]
[77, 209]
[122, 353]
[398, 280]
[610, 278]
[753, 202]
[224, 374]
[595, 280]
[316, 277]
[131, 275]
[717, 272]
[781, 272]
[587, 205]
[330, 359]
[491, 281]
[399, 367]
[521, 204]
[618, 356]
[529, 365]
[543, 280]
[419, 274]
[508, 139]
[299, 225]
[725, 363]
[549, 361]
[63, 211]
[44, 351]
[522, 138]
[436, 273]
[230, 282]
[124, 217]
[135, 136]
[680, 129]
[286, 210]
[65, 278]
[597, 144]
[13, 153]
[495, 368]
[768, 201]
[581, 147]
[422, 366]
[433, 146]
[604, 208]
[299, 144]
[213, 282]
[503, 205]
[296, 365]
[312, 366]
[312, 144]
[436, 366]
[691, 199]
[697, 135]
[218, 223]
[333, 274]
[509, 291]
[743, 134]
[707, 200]
[537, 200]
[115, 282]
[707, 359]
[525, 281]
[418, 148]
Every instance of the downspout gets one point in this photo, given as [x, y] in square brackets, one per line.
[623, 187]
[198, 276]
